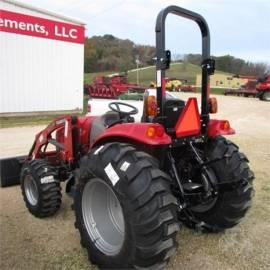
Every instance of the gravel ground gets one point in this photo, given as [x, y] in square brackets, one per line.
[53, 243]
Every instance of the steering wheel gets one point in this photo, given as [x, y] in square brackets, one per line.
[115, 106]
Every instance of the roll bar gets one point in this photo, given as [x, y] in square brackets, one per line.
[164, 58]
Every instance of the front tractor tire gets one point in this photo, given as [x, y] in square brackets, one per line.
[125, 211]
[266, 96]
[41, 191]
[234, 187]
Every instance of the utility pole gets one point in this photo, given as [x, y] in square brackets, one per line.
[137, 64]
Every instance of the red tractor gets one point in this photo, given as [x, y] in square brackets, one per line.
[111, 86]
[263, 88]
[134, 184]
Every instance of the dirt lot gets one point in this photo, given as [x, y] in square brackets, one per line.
[53, 243]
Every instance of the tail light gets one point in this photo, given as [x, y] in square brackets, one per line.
[213, 106]
[88, 108]
[219, 127]
[151, 106]
[155, 131]
[225, 125]
[151, 132]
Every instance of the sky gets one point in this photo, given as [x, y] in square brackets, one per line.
[240, 28]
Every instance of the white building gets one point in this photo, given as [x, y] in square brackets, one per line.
[41, 60]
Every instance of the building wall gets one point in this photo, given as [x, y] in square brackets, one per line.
[222, 81]
[39, 74]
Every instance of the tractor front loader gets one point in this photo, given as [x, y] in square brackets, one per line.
[134, 184]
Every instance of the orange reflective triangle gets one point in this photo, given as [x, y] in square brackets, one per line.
[189, 121]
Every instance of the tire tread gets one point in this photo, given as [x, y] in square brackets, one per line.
[50, 196]
[153, 206]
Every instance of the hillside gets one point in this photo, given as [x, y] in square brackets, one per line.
[106, 53]
[177, 70]
[111, 53]
[147, 75]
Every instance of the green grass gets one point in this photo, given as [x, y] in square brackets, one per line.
[214, 91]
[217, 91]
[146, 76]
[19, 121]
[177, 70]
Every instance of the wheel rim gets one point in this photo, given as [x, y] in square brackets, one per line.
[103, 217]
[31, 190]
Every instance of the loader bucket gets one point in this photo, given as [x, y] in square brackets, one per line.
[10, 170]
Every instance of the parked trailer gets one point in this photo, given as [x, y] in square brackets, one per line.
[188, 88]
[177, 85]
[256, 88]
[241, 92]
[247, 90]
[111, 86]
[263, 88]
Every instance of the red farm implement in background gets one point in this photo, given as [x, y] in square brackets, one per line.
[254, 87]
[187, 88]
[246, 90]
[111, 86]
[263, 88]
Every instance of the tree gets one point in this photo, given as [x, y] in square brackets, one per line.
[109, 53]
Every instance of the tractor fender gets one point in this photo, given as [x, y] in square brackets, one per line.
[219, 127]
[140, 133]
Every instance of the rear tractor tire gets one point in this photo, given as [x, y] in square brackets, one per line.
[41, 191]
[125, 211]
[234, 188]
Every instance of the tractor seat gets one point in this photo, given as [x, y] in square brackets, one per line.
[101, 123]
[172, 110]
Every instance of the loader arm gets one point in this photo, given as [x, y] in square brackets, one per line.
[65, 145]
